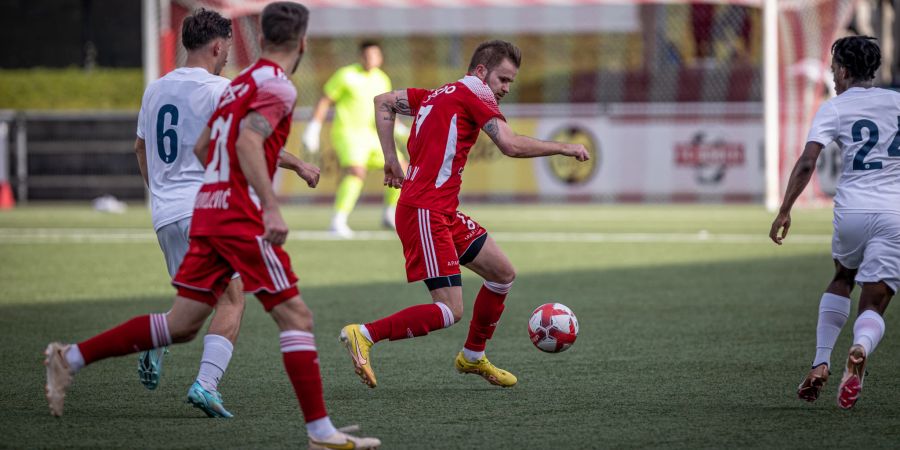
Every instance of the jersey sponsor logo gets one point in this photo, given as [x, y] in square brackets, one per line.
[448, 89]
[213, 199]
[568, 170]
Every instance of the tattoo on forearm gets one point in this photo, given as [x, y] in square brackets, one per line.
[256, 122]
[402, 107]
[492, 129]
[387, 111]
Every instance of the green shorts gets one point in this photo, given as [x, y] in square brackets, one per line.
[360, 153]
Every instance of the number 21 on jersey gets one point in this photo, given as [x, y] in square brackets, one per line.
[219, 168]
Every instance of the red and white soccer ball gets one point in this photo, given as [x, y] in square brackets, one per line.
[553, 327]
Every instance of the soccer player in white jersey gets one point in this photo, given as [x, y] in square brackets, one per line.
[174, 111]
[863, 120]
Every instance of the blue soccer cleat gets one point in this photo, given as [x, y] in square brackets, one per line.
[150, 367]
[208, 402]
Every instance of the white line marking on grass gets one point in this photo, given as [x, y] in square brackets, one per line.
[32, 236]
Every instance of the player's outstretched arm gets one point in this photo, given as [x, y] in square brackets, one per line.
[201, 148]
[251, 156]
[308, 172]
[800, 177]
[518, 146]
[140, 151]
[387, 106]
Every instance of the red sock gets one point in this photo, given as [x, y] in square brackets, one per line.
[485, 315]
[411, 322]
[298, 350]
[137, 334]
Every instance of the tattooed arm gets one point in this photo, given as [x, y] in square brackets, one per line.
[387, 106]
[252, 159]
[518, 146]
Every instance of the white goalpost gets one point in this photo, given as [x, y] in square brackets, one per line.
[770, 100]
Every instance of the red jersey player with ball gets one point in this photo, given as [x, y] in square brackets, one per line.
[236, 227]
[437, 239]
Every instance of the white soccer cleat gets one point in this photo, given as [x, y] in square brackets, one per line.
[341, 230]
[341, 439]
[387, 219]
[59, 376]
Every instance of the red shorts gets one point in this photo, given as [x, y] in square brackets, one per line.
[435, 243]
[211, 261]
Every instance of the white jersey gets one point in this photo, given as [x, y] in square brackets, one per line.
[174, 112]
[865, 123]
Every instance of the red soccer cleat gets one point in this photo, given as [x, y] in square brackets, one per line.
[851, 384]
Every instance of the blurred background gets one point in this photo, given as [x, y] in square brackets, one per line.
[668, 95]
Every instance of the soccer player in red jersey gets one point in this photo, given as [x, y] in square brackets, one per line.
[437, 239]
[236, 228]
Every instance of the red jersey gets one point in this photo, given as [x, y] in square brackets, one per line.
[226, 204]
[447, 124]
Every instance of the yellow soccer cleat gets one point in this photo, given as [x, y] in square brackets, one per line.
[358, 347]
[488, 371]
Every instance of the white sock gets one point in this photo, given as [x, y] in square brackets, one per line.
[216, 356]
[339, 220]
[74, 358]
[320, 429]
[365, 332]
[472, 356]
[868, 330]
[833, 313]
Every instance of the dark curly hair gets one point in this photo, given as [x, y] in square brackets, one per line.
[860, 55]
[201, 27]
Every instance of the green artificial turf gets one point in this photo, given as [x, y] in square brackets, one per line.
[688, 339]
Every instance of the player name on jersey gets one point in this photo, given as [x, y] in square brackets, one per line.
[213, 200]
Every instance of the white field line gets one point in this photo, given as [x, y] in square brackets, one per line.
[32, 236]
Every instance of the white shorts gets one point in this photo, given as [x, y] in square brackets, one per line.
[174, 239]
[869, 242]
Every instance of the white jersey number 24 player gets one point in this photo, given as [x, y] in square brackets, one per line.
[865, 123]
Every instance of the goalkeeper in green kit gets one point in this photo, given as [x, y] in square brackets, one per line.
[352, 89]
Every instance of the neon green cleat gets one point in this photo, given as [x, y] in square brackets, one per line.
[486, 370]
[208, 402]
[358, 346]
